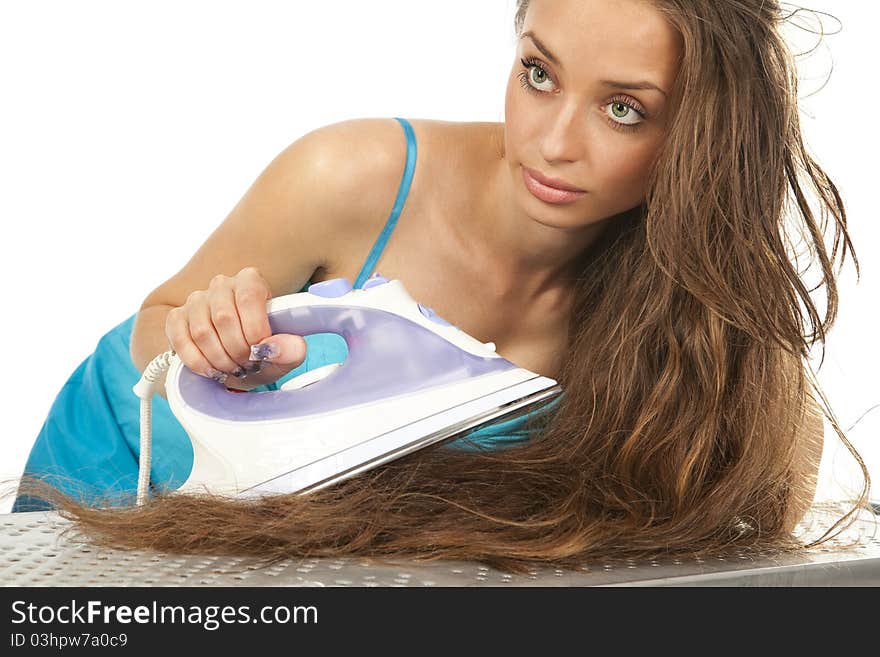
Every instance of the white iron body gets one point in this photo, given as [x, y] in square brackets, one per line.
[410, 380]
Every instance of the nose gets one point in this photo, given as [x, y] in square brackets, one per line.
[565, 139]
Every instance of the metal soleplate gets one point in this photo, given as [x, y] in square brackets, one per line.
[440, 427]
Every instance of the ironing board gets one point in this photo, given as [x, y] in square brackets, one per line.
[33, 554]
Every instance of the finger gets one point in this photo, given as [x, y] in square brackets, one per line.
[281, 349]
[182, 343]
[227, 322]
[251, 293]
[204, 334]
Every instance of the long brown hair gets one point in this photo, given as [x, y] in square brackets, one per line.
[685, 388]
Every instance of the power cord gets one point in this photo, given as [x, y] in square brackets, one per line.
[149, 383]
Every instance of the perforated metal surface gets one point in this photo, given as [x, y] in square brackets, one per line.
[33, 554]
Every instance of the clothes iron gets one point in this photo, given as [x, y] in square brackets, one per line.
[411, 379]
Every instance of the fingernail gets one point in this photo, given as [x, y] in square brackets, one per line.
[219, 377]
[263, 351]
[254, 368]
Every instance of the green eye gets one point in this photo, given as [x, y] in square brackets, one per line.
[620, 109]
[534, 70]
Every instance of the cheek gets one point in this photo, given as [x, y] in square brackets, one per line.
[522, 125]
[623, 169]
[513, 109]
[622, 179]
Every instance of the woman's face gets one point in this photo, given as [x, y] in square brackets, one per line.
[564, 121]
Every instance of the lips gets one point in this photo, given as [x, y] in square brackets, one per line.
[556, 183]
[549, 194]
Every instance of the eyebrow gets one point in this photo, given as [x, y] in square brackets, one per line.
[610, 83]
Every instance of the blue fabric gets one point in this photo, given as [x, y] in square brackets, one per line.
[90, 441]
[402, 192]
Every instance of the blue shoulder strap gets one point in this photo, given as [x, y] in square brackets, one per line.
[403, 190]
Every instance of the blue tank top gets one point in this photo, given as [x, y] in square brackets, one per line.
[89, 444]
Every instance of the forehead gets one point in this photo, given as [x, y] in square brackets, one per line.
[607, 37]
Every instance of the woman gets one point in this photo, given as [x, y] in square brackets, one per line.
[660, 295]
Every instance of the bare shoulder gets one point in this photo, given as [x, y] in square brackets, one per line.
[362, 160]
[367, 156]
[366, 159]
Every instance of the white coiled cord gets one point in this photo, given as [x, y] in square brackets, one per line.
[145, 389]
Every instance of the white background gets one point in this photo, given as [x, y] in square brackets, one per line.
[128, 131]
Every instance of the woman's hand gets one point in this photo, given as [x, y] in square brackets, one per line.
[225, 330]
